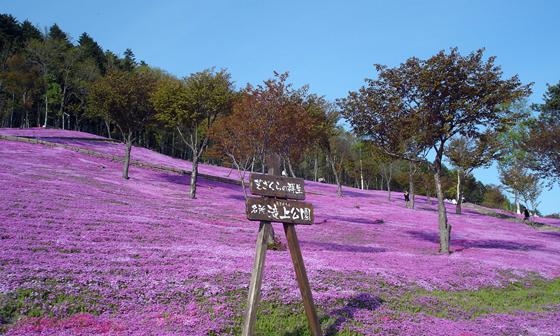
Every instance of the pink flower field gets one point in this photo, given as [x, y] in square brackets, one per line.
[83, 251]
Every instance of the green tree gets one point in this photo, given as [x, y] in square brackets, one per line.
[444, 96]
[467, 154]
[532, 192]
[339, 150]
[514, 162]
[124, 99]
[518, 179]
[29, 32]
[494, 198]
[543, 141]
[90, 49]
[55, 33]
[47, 55]
[190, 106]
[128, 63]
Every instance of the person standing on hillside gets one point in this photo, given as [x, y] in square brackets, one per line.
[526, 214]
[406, 198]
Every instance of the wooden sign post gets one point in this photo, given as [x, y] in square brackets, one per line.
[276, 207]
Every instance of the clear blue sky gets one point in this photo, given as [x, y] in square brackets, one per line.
[330, 45]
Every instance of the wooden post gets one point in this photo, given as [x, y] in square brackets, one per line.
[280, 204]
[301, 275]
[256, 279]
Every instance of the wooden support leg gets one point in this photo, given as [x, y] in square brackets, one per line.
[256, 279]
[301, 275]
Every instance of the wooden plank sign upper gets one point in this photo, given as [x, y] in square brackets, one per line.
[277, 186]
[277, 210]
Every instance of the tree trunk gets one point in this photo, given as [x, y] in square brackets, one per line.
[388, 189]
[108, 129]
[127, 155]
[388, 176]
[12, 112]
[459, 192]
[315, 169]
[361, 175]
[444, 227]
[336, 177]
[194, 175]
[173, 144]
[61, 109]
[517, 204]
[290, 167]
[411, 190]
[46, 110]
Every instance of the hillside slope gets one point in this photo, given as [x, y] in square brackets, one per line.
[85, 251]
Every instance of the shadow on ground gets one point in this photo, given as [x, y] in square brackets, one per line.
[466, 244]
[362, 301]
[342, 247]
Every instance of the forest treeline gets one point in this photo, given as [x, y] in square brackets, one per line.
[423, 126]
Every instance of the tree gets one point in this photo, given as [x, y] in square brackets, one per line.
[29, 32]
[338, 150]
[533, 190]
[494, 198]
[84, 73]
[517, 179]
[47, 55]
[129, 61]
[10, 35]
[237, 136]
[466, 154]
[191, 106]
[21, 79]
[444, 96]
[543, 141]
[90, 49]
[394, 98]
[124, 98]
[55, 33]
[514, 162]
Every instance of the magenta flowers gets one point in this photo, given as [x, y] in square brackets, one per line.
[83, 251]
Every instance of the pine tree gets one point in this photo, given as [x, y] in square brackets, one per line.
[91, 49]
[129, 61]
[29, 32]
[56, 33]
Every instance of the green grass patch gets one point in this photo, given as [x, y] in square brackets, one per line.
[279, 319]
[51, 302]
[536, 296]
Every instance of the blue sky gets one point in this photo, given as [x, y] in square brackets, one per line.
[330, 45]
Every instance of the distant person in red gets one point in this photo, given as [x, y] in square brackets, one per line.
[406, 198]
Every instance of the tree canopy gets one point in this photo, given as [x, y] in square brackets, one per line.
[432, 101]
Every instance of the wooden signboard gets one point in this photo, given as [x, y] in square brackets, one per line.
[276, 210]
[277, 186]
[276, 207]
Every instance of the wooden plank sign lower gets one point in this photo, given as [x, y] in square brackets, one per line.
[277, 210]
[277, 186]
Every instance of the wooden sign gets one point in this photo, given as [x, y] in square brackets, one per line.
[277, 186]
[275, 207]
[276, 210]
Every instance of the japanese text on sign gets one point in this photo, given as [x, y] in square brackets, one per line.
[282, 187]
[279, 211]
